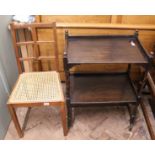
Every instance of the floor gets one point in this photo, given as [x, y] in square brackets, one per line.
[98, 123]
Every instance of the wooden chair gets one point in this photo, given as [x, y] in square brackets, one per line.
[34, 89]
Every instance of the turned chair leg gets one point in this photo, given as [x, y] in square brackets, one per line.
[69, 113]
[132, 121]
[64, 119]
[15, 120]
[133, 113]
[70, 116]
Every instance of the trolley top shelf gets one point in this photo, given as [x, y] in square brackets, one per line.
[105, 49]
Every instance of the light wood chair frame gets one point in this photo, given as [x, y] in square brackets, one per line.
[12, 107]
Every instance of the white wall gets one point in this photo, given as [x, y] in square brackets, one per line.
[8, 72]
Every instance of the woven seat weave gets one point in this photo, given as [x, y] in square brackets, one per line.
[37, 87]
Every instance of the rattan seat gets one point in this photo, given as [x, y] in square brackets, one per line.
[37, 87]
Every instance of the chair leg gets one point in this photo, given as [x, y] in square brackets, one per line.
[15, 120]
[26, 118]
[69, 113]
[133, 116]
[64, 119]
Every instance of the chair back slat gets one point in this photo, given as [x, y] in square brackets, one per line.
[35, 56]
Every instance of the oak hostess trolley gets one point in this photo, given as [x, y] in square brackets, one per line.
[108, 88]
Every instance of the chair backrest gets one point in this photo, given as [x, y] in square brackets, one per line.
[27, 50]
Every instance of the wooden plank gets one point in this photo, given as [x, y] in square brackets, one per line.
[24, 52]
[36, 59]
[116, 19]
[138, 19]
[32, 42]
[96, 25]
[77, 18]
[33, 25]
[36, 48]
[14, 39]
[146, 115]
[38, 18]
[107, 26]
[30, 51]
[151, 83]
[55, 48]
[27, 59]
[125, 19]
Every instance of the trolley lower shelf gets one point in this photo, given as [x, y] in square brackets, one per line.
[101, 89]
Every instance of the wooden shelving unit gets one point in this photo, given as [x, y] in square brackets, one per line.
[116, 88]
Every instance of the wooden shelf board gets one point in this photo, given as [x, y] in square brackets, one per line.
[99, 88]
[102, 49]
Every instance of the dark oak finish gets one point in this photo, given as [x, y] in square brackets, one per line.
[104, 50]
[100, 88]
[106, 88]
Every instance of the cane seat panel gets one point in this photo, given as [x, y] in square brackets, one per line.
[37, 87]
